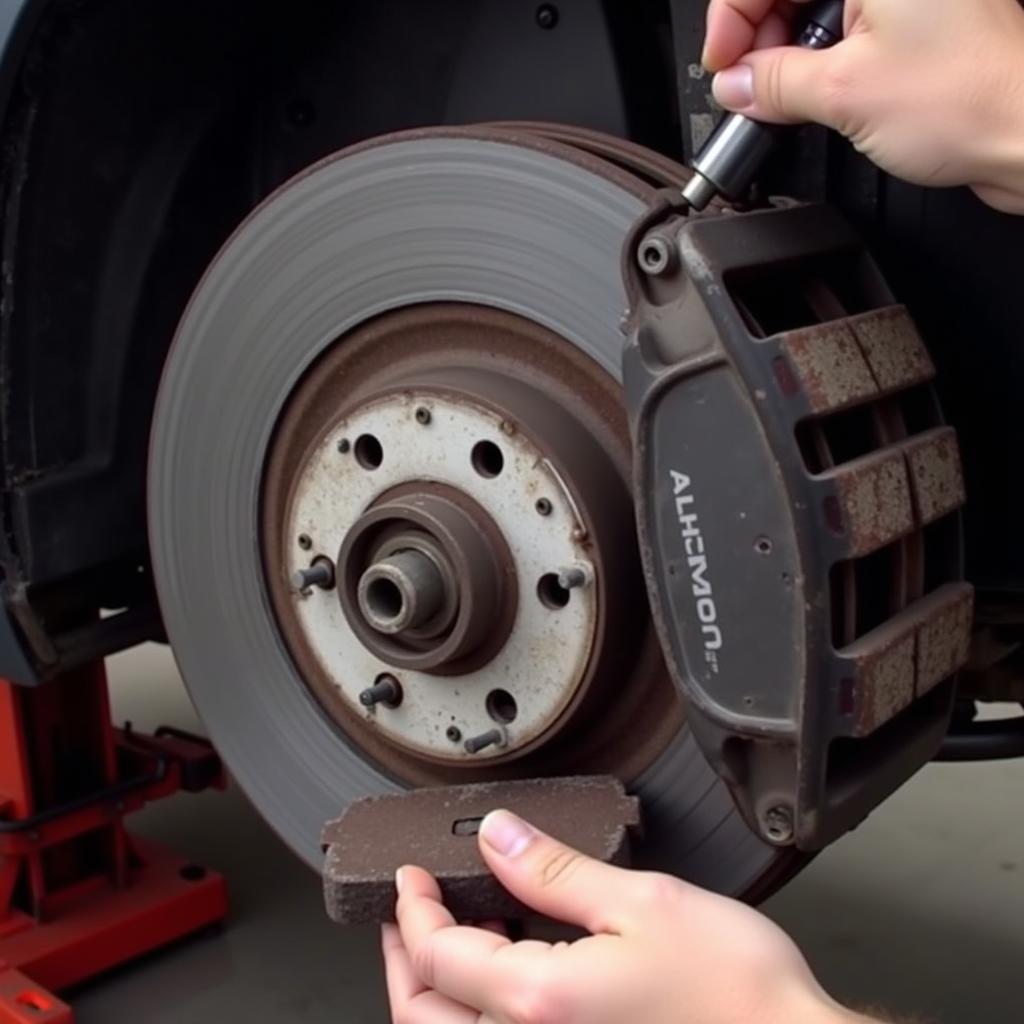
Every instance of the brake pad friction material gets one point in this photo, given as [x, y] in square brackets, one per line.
[436, 829]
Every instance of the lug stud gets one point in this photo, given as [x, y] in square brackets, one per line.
[572, 577]
[494, 738]
[319, 574]
[387, 691]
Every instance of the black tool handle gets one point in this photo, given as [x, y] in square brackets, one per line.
[824, 26]
[737, 148]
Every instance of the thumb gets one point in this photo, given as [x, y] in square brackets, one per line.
[784, 84]
[553, 878]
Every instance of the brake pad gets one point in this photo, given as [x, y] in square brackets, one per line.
[437, 829]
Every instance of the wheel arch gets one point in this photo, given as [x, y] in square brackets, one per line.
[135, 139]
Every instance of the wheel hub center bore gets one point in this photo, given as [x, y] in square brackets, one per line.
[427, 581]
[402, 593]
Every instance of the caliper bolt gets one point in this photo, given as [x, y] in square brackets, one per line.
[657, 256]
[319, 574]
[778, 825]
[572, 577]
[494, 738]
[387, 691]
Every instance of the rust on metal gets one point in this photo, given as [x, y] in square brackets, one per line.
[883, 674]
[588, 440]
[909, 655]
[893, 348]
[936, 474]
[830, 366]
[437, 829]
[659, 170]
[874, 494]
[944, 638]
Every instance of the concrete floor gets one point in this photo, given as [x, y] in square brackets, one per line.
[920, 911]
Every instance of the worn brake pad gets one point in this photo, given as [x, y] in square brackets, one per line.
[437, 830]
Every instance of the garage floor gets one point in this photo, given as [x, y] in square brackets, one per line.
[921, 910]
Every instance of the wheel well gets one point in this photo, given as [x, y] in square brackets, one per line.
[137, 137]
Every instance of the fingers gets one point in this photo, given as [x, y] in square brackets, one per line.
[420, 909]
[734, 28]
[456, 961]
[403, 984]
[1000, 198]
[410, 1000]
[553, 878]
[775, 30]
[783, 84]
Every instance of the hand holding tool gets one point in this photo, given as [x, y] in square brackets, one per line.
[738, 146]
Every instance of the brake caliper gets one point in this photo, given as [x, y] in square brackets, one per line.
[798, 496]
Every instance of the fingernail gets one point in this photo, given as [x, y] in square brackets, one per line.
[734, 87]
[398, 880]
[506, 834]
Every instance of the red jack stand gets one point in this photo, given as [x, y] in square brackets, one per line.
[78, 895]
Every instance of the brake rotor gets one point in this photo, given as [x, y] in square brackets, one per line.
[402, 372]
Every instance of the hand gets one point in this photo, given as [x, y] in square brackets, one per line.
[660, 951]
[930, 90]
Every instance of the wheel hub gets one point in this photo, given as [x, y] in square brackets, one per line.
[469, 512]
[426, 575]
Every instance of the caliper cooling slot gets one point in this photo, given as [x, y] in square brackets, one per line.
[798, 498]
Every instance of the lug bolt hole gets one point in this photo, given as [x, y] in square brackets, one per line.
[369, 452]
[487, 459]
[763, 546]
[551, 593]
[544, 507]
[502, 707]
